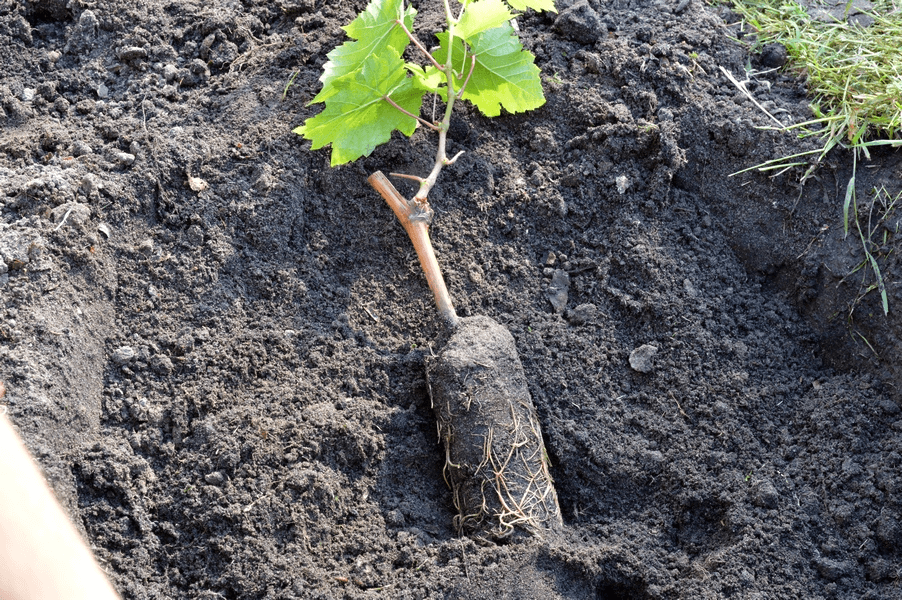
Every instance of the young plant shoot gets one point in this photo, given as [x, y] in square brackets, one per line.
[496, 461]
[369, 90]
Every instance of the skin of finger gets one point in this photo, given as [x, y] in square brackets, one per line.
[41, 554]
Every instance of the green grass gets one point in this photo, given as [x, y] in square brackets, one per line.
[873, 223]
[854, 73]
[854, 77]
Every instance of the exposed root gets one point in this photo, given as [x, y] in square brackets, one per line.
[515, 486]
[495, 459]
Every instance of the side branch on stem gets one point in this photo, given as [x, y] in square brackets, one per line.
[419, 44]
[460, 92]
[410, 114]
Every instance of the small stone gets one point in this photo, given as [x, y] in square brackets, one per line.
[681, 6]
[132, 53]
[862, 20]
[623, 184]
[124, 158]
[582, 314]
[197, 184]
[641, 358]
[831, 569]
[888, 406]
[123, 355]
[215, 478]
[557, 291]
[105, 230]
[206, 45]
[103, 91]
[80, 148]
[88, 23]
[195, 236]
[145, 247]
[170, 73]
[764, 495]
[690, 289]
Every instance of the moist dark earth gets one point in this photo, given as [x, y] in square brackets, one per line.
[216, 345]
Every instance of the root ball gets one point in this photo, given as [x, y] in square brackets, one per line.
[496, 463]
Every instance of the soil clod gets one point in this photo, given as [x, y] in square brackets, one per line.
[641, 359]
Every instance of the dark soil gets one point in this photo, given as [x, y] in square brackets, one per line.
[216, 345]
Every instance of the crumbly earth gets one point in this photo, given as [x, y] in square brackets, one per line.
[216, 345]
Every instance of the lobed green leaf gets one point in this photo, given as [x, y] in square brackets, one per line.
[482, 15]
[429, 79]
[357, 118]
[375, 31]
[537, 5]
[504, 76]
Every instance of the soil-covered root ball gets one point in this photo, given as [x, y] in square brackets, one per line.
[496, 462]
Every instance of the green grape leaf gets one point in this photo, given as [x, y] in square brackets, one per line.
[429, 79]
[357, 118]
[505, 75]
[537, 5]
[482, 15]
[375, 30]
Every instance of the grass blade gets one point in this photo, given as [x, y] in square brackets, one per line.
[850, 192]
[880, 285]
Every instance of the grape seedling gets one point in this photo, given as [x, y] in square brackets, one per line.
[496, 461]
